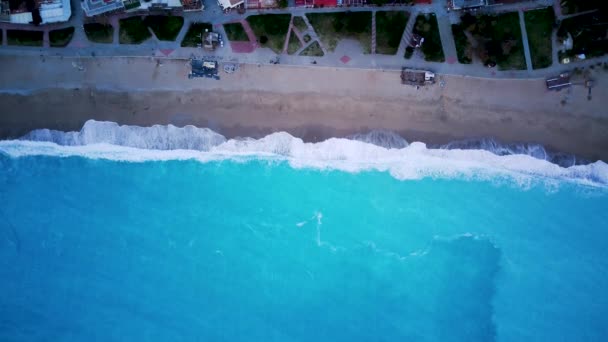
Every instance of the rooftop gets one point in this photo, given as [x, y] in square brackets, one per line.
[35, 11]
[463, 4]
[96, 7]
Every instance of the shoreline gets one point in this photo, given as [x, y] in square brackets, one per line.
[310, 103]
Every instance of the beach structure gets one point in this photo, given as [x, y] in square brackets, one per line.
[417, 77]
[203, 68]
[211, 40]
[559, 82]
[96, 7]
[35, 11]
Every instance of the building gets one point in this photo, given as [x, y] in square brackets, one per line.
[96, 7]
[35, 11]
[211, 40]
[465, 4]
[260, 4]
[229, 4]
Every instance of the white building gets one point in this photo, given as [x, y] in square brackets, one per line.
[51, 11]
[226, 4]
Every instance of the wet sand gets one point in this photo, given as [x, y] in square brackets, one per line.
[312, 103]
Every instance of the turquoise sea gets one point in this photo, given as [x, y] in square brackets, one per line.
[277, 240]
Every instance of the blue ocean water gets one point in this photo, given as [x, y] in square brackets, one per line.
[256, 250]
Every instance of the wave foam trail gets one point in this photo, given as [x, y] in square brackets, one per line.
[534, 150]
[156, 137]
[382, 138]
[100, 140]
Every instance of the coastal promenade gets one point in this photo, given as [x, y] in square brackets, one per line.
[80, 48]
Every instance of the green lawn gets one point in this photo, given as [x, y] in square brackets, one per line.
[589, 32]
[332, 27]
[313, 50]
[270, 29]
[165, 27]
[426, 26]
[133, 31]
[300, 24]
[294, 44]
[575, 6]
[25, 38]
[464, 49]
[62, 37]
[389, 30]
[99, 33]
[498, 38]
[235, 32]
[409, 51]
[539, 25]
[194, 35]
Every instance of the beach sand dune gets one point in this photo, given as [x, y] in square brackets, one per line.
[312, 103]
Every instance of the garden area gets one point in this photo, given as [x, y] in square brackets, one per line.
[165, 27]
[270, 29]
[193, 37]
[539, 25]
[235, 32]
[464, 50]
[133, 31]
[576, 6]
[300, 24]
[332, 27]
[25, 38]
[99, 33]
[498, 39]
[313, 50]
[62, 37]
[427, 27]
[294, 44]
[588, 33]
[389, 29]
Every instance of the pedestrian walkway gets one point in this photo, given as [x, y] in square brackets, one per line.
[524, 40]
[373, 47]
[447, 39]
[406, 38]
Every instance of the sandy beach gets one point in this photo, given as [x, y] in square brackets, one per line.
[312, 103]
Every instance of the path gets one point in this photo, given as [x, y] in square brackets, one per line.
[406, 38]
[373, 47]
[447, 38]
[524, 40]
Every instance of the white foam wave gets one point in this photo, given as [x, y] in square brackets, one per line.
[412, 162]
[534, 150]
[157, 137]
[383, 138]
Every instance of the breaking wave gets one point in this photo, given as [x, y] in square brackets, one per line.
[157, 137]
[108, 140]
[533, 150]
[382, 138]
